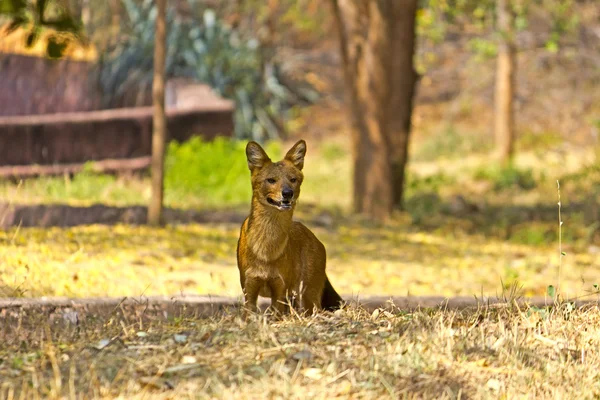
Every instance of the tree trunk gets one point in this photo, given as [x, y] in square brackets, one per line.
[377, 44]
[159, 122]
[504, 130]
[115, 15]
[86, 14]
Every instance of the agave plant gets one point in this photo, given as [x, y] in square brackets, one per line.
[210, 51]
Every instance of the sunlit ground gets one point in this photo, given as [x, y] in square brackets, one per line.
[440, 245]
[200, 259]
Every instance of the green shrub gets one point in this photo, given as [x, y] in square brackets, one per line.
[507, 177]
[209, 173]
[533, 235]
[429, 183]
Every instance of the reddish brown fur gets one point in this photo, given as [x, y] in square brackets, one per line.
[278, 257]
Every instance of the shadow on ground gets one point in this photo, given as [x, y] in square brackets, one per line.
[64, 215]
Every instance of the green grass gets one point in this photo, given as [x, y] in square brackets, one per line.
[503, 178]
[448, 143]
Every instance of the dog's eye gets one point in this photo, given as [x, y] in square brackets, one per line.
[293, 180]
[271, 180]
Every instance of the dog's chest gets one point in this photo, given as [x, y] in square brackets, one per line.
[267, 240]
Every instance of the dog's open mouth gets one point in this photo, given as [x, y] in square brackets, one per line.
[281, 205]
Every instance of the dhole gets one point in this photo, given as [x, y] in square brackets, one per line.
[278, 257]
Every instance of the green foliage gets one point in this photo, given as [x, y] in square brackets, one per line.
[210, 51]
[436, 15]
[286, 17]
[483, 48]
[333, 152]
[532, 235]
[428, 25]
[450, 143]
[41, 15]
[215, 171]
[564, 20]
[551, 291]
[507, 177]
[429, 183]
[423, 195]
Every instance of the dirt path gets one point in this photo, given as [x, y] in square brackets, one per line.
[205, 306]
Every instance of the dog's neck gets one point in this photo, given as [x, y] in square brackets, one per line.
[268, 230]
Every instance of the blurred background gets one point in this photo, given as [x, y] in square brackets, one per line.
[437, 131]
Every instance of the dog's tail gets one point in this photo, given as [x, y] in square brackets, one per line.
[330, 300]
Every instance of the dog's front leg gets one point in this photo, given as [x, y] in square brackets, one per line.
[277, 287]
[251, 290]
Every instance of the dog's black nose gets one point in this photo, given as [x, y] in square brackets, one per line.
[287, 194]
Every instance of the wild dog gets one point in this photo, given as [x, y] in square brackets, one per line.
[278, 257]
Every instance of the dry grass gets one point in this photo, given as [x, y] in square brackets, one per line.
[396, 259]
[500, 352]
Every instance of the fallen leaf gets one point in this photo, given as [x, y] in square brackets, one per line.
[188, 360]
[375, 314]
[494, 384]
[313, 373]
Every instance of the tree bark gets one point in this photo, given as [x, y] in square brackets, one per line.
[377, 44]
[504, 130]
[159, 121]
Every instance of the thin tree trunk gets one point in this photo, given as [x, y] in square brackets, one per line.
[159, 122]
[86, 14]
[504, 130]
[349, 20]
[115, 15]
[377, 42]
[404, 80]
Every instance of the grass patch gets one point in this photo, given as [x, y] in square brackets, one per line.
[84, 188]
[449, 143]
[538, 141]
[489, 352]
[509, 177]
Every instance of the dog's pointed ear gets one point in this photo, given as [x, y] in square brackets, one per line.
[296, 154]
[257, 158]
